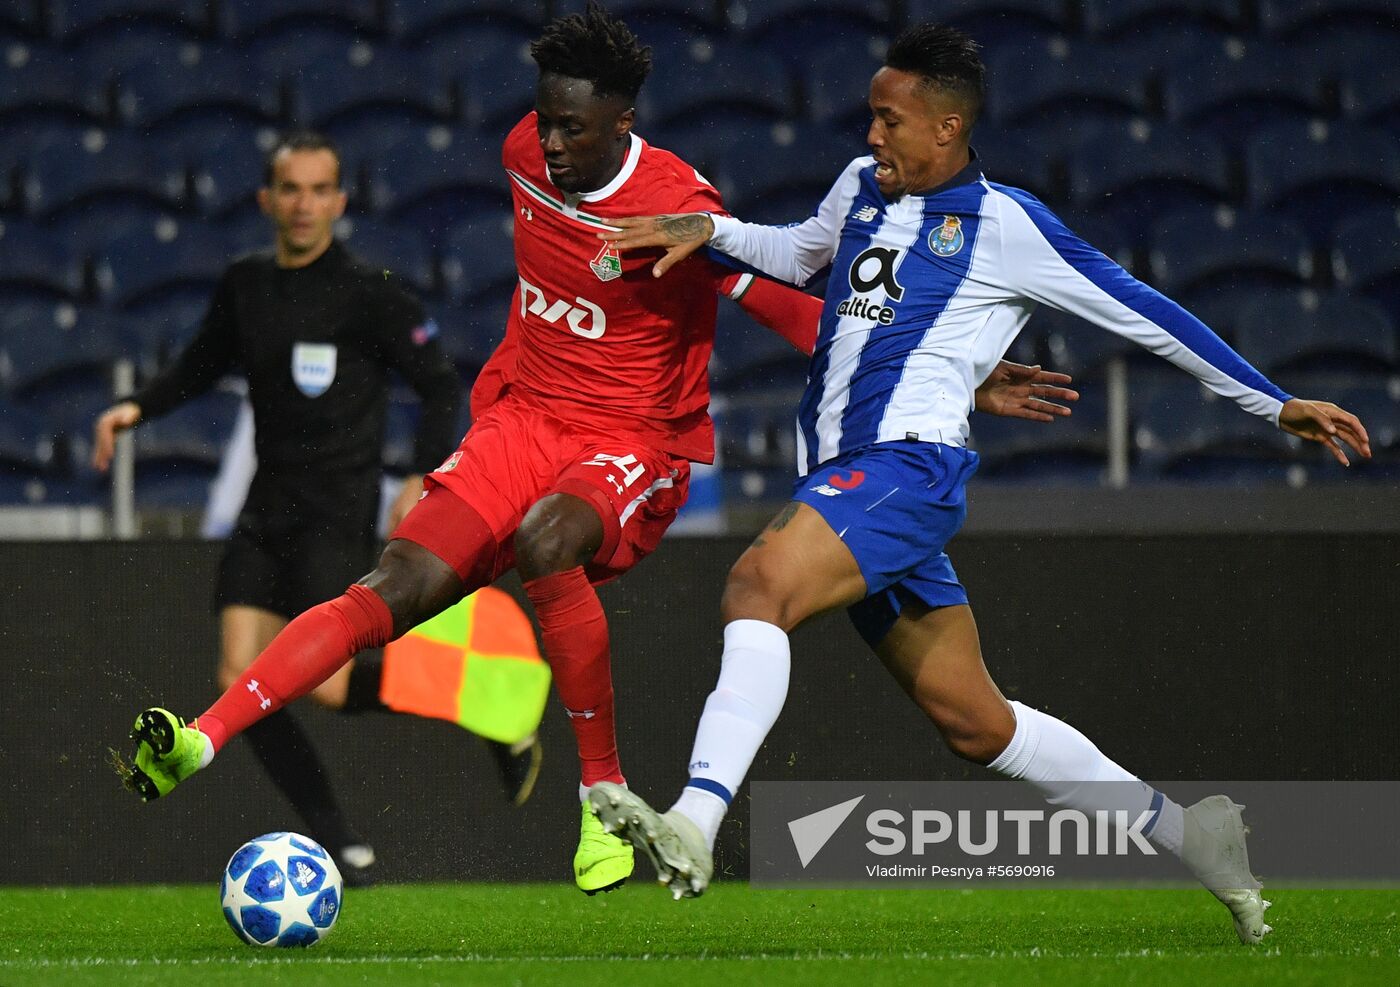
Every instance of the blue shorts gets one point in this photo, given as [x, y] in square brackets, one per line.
[895, 505]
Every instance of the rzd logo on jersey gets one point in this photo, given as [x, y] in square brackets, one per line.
[589, 321]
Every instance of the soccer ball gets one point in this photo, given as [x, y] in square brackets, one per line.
[281, 889]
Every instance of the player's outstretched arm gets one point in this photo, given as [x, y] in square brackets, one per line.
[1015, 390]
[679, 234]
[117, 418]
[1324, 422]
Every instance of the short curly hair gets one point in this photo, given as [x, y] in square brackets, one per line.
[946, 58]
[597, 47]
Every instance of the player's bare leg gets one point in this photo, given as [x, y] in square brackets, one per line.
[795, 569]
[558, 536]
[936, 658]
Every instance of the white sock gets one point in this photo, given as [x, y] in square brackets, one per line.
[753, 683]
[207, 754]
[1057, 760]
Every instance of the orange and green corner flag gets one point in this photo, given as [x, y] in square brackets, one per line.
[476, 664]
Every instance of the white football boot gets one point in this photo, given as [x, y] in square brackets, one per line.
[1213, 847]
[672, 842]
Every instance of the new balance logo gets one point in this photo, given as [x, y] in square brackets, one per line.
[254, 686]
[811, 833]
[865, 214]
[825, 490]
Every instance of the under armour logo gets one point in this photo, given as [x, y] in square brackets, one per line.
[525, 211]
[263, 701]
[575, 714]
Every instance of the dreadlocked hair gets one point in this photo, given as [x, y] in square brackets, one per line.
[597, 47]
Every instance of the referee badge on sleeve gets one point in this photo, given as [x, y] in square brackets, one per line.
[313, 368]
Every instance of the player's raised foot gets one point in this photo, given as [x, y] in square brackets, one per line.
[603, 862]
[672, 842]
[167, 752]
[1213, 847]
[519, 767]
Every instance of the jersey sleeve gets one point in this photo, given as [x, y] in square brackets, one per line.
[209, 356]
[792, 314]
[1053, 266]
[407, 342]
[796, 253]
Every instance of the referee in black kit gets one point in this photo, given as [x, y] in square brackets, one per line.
[316, 332]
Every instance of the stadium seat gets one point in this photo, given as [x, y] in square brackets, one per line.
[1308, 330]
[1366, 257]
[757, 433]
[750, 357]
[139, 267]
[835, 81]
[800, 33]
[59, 360]
[478, 257]
[470, 333]
[1212, 260]
[65, 175]
[33, 260]
[38, 81]
[1323, 173]
[177, 455]
[76, 20]
[639, 14]
[391, 248]
[1310, 19]
[448, 51]
[22, 17]
[332, 88]
[1068, 344]
[789, 172]
[1116, 18]
[84, 231]
[1190, 435]
[1024, 159]
[273, 55]
[102, 56]
[1234, 91]
[994, 22]
[434, 182]
[162, 328]
[1134, 180]
[400, 431]
[415, 21]
[26, 455]
[199, 82]
[227, 173]
[1072, 83]
[1070, 450]
[727, 82]
[245, 19]
[497, 87]
[1370, 93]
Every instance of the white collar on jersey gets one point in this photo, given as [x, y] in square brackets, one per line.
[629, 165]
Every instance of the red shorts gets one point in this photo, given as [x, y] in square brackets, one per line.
[516, 454]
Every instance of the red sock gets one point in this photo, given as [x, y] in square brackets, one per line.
[576, 642]
[299, 659]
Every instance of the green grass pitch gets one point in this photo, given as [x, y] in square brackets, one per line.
[534, 933]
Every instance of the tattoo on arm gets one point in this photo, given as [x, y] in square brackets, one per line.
[784, 516]
[684, 227]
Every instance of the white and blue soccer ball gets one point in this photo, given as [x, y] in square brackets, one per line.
[281, 889]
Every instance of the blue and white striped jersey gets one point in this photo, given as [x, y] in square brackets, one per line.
[927, 293]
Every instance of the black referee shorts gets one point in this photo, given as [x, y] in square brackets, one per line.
[290, 551]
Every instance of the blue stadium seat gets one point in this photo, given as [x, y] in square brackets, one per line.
[38, 81]
[479, 257]
[201, 81]
[32, 260]
[139, 267]
[84, 231]
[759, 434]
[448, 51]
[273, 55]
[101, 57]
[1073, 83]
[751, 356]
[1323, 173]
[59, 359]
[329, 89]
[436, 182]
[1068, 344]
[21, 17]
[65, 175]
[1070, 450]
[74, 20]
[1235, 91]
[1378, 407]
[993, 22]
[470, 333]
[244, 19]
[639, 14]
[228, 172]
[1133, 181]
[1212, 260]
[1310, 19]
[177, 455]
[1023, 159]
[187, 139]
[1366, 257]
[1188, 435]
[497, 88]
[835, 81]
[1370, 92]
[727, 82]
[786, 175]
[26, 440]
[1307, 330]
[1116, 18]
[1113, 239]
[391, 248]
[799, 32]
[162, 329]
[422, 20]
[400, 431]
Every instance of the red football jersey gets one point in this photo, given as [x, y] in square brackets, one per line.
[592, 335]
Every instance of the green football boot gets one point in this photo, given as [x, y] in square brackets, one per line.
[167, 752]
[603, 862]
